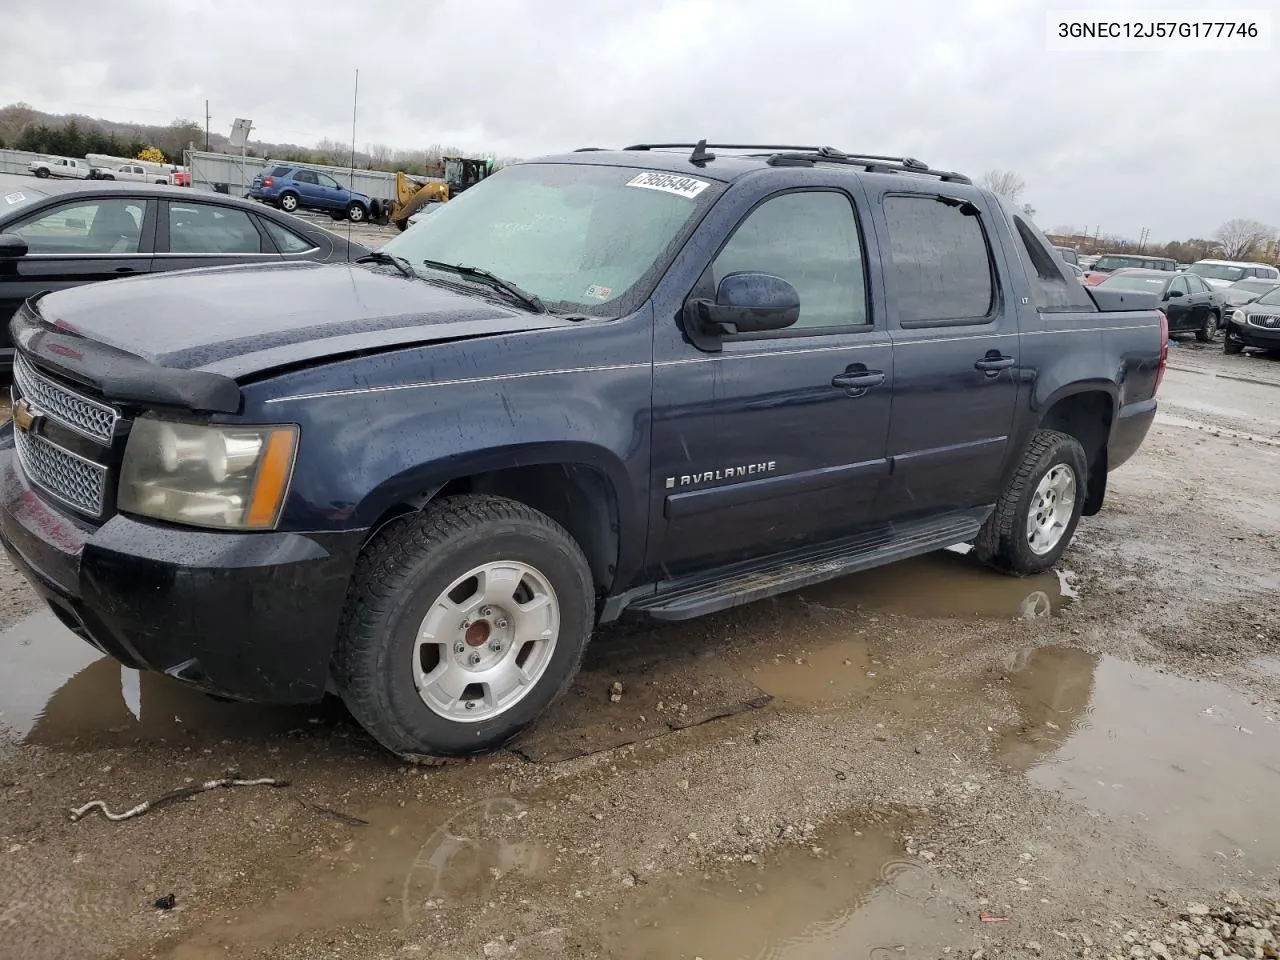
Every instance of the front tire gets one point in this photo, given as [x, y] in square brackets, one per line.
[1036, 515]
[463, 624]
[42, 173]
[1231, 346]
[289, 202]
[356, 213]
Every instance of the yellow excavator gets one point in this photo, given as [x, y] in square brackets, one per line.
[413, 193]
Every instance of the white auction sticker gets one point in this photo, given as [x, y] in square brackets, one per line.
[687, 187]
[14, 197]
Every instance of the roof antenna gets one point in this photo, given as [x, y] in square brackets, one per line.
[355, 103]
[700, 157]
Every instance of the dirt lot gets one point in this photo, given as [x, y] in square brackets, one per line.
[924, 760]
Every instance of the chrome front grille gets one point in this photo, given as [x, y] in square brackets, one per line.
[77, 482]
[1268, 321]
[95, 420]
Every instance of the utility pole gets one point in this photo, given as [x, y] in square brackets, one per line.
[206, 126]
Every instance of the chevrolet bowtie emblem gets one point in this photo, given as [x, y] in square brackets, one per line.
[23, 415]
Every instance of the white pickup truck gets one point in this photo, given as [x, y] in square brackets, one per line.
[60, 167]
[131, 171]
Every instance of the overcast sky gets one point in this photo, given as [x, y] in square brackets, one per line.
[1175, 142]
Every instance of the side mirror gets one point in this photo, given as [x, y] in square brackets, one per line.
[750, 303]
[12, 246]
[1175, 293]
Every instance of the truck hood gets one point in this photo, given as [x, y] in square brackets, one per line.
[242, 320]
[184, 339]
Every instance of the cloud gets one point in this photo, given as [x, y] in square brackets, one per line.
[1117, 140]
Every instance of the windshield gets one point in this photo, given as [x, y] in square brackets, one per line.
[1131, 283]
[583, 238]
[1115, 263]
[1216, 271]
[11, 200]
[1271, 299]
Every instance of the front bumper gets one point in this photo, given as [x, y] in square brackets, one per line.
[242, 615]
[1266, 338]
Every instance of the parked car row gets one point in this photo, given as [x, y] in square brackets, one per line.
[70, 168]
[54, 236]
[1191, 305]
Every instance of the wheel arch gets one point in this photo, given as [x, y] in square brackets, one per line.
[1085, 411]
[579, 489]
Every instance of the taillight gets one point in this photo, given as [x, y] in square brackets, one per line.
[267, 181]
[1164, 349]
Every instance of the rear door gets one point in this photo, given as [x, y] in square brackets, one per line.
[199, 234]
[763, 444]
[955, 349]
[77, 241]
[308, 186]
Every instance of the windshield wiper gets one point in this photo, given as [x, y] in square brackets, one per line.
[484, 276]
[400, 263]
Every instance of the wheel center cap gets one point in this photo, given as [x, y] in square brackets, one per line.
[477, 634]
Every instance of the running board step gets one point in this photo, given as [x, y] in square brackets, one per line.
[757, 579]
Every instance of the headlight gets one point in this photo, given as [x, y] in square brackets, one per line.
[207, 476]
[1237, 316]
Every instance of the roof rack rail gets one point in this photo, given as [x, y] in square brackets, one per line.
[872, 164]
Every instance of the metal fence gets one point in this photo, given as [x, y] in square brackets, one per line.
[231, 174]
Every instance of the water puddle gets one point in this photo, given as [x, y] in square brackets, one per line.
[399, 872]
[833, 673]
[857, 897]
[946, 584]
[1191, 763]
[57, 691]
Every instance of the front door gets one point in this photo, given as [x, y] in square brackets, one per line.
[770, 442]
[77, 242]
[955, 351]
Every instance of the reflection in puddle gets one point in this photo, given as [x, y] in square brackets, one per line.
[395, 873]
[56, 690]
[858, 898]
[945, 584]
[1192, 764]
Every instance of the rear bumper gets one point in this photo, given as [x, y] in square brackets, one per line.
[1129, 430]
[246, 616]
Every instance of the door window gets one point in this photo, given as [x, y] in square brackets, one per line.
[328, 181]
[811, 240]
[1177, 285]
[1194, 283]
[100, 226]
[941, 265]
[202, 228]
[305, 176]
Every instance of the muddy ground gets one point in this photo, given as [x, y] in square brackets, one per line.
[921, 761]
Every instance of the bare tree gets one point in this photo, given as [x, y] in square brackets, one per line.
[1003, 183]
[1239, 237]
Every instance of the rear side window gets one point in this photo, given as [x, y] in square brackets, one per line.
[202, 228]
[1054, 290]
[941, 263]
[286, 241]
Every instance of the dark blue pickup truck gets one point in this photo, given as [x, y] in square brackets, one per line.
[663, 380]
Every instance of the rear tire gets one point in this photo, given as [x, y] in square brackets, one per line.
[289, 202]
[428, 642]
[1231, 346]
[1036, 515]
[1209, 329]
